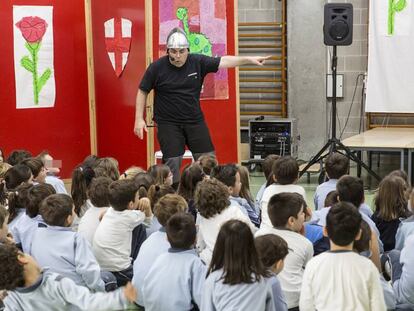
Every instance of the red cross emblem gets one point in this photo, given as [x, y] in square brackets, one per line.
[118, 42]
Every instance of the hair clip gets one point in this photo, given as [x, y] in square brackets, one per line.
[81, 168]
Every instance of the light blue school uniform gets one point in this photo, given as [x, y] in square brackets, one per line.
[174, 282]
[322, 191]
[155, 245]
[319, 217]
[56, 183]
[53, 292]
[69, 254]
[20, 212]
[279, 299]
[24, 230]
[218, 296]
[251, 211]
[404, 287]
[405, 229]
[155, 226]
[259, 195]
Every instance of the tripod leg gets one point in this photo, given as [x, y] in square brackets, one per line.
[316, 158]
[358, 161]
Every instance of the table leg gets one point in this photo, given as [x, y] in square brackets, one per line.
[359, 154]
[410, 158]
[402, 160]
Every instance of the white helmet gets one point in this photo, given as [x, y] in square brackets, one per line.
[177, 39]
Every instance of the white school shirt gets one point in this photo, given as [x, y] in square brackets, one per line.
[56, 183]
[209, 229]
[300, 252]
[90, 222]
[341, 280]
[113, 238]
[271, 191]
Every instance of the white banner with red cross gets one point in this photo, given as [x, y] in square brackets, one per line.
[118, 42]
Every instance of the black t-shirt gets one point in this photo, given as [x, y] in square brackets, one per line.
[177, 89]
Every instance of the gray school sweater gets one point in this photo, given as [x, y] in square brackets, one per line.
[55, 293]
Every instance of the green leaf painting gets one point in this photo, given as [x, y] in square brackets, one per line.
[394, 6]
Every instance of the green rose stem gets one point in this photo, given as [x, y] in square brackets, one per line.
[394, 6]
[34, 48]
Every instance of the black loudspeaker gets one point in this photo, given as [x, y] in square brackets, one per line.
[338, 22]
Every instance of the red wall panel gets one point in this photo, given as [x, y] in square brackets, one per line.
[115, 97]
[64, 129]
[221, 115]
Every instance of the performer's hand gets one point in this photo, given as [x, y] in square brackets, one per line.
[140, 127]
[258, 60]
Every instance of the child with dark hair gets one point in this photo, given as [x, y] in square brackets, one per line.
[390, 208]
[175, 280]
[31, 288]
[212, 200]
[161, 174]
[52, 171]
[190, 177]
[64, 251]
[14, 177]
[17, 156]
[331, 198]
[38, 169]
[286, 213]
[285, 175]
[17, 204]
[336, 166]
[157, 243]
[267, 171]
[236, 278]
[341, 279]
[98, 194]
[26, 226]
[272, 251]
[114, 242]
[229, 175]
[350, 189]
[207, 162]
[82, 177]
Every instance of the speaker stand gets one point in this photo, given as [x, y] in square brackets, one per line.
[334, 144]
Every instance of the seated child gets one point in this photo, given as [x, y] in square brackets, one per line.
[52, 171]
[390, 209]
[16, 200]
[207, 162]
[285, 175]
[287, 217]
[17, 156]
[267, 172]
[107, 167]
[62, 250]
[131, 172]
[155, 193]
[175, 280]
[211, 199]
[236, 278]
[336, 166]
[157, 243]
[341, 279]
[38, 169]
[31, 288]
[331, 198]
[112, 243]
[406, 226]
[245, 191]
[229, 175]
[161, 174]
[190, 177]
[27, 225]
[272, 251]
[98, 194]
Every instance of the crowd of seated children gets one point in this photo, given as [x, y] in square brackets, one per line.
[106, 235]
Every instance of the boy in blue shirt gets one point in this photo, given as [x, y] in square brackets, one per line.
[64, 251]
[29, 288]
[176, 278]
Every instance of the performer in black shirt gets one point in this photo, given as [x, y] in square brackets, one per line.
[177, 79]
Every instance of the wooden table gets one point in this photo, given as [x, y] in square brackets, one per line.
[385, 139]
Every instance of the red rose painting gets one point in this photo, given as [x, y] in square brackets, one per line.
[33, 28]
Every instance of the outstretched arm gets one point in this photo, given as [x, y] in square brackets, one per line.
[140, 125]
[234, 61]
